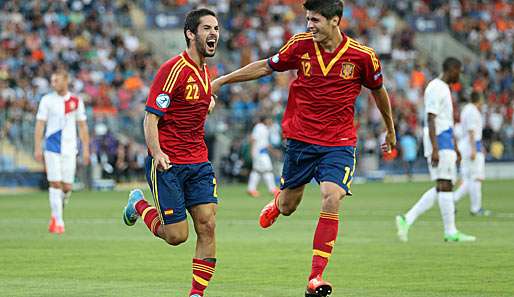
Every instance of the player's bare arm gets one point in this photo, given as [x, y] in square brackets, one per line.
[152, 141]
[38, 136]
[84, 138]
[433, 140]
[384, 105]
[251, 71]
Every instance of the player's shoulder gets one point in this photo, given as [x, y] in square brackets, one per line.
[470, 109]
[467, 107]
[48, 97]
[360, 48]
[174, 63]
[170, 72]
[75, 97]
[300, 39]
[367, 53]
[437, 84]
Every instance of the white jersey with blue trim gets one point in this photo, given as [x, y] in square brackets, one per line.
[471, 120]
[61, 114]
[260, 137]
[438, 101]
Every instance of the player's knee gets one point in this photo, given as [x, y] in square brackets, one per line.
[55, 185]
[66, 188]
[175, 238]
[206, 227]
[333, 195]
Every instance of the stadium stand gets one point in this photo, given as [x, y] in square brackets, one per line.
[113, 68]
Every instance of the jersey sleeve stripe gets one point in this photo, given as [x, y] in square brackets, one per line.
[169, 76]
[170, 88]
[367, 50]
[297, 37]
[363, 48]
[288, 45]
[371, 54]
[172, 71]
[172, 75]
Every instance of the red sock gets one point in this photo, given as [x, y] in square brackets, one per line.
[323, 243]
[202, 274]
[150, 215]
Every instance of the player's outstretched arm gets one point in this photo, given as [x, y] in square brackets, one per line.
[251, 71]
[152, 141]
[384, 105]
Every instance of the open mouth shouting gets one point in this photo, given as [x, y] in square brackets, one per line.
[211, 43]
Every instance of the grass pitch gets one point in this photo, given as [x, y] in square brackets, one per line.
[100, 256]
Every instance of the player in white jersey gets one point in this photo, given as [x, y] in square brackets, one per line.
[60, 112]
[261, 160]
[442, 154]
[473, 160]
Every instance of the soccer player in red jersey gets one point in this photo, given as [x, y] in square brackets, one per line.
[318, 121]
[177, 169]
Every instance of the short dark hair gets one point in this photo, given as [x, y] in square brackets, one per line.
[450, 63]
[327, 8]
[475, 97]
[193, 20]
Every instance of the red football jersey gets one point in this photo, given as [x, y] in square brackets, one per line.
[321, 104]
[180, 95]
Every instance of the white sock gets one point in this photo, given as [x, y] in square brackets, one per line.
[476, 195]
[253, 181]
[56, 204]
[462, 190]
[447, 207]
[425, 203]
[269, 178]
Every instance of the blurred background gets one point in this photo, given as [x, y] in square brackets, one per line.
[113, 49]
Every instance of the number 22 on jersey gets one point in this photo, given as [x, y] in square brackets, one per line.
[192, 92]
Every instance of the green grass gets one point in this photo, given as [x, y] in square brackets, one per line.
[99, 256]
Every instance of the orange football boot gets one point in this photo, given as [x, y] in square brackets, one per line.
[52, 224]
[317, 287]
[269, 213]
[254, 193]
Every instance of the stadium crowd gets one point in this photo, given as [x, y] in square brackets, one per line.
[112, 71]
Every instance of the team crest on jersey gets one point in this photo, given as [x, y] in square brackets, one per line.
[163, 101]
[347, 70]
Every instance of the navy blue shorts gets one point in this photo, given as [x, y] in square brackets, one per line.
[180, 188]
[304, 161]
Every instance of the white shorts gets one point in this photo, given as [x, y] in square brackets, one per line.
[473, 169]
[60, 167]
[447, 167]
[262, 163]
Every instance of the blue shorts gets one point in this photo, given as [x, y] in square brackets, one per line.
[181, 187]
[304, 161]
